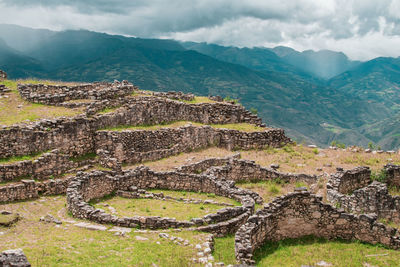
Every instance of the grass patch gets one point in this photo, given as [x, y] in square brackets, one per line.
[47, 245]
[107, 110]
[199, 99]
[246, 127]
[84, 157]
[224, 249]
[14, 159]
[16, 110]
[310, 250]
[153, 207]
[379, 176]
[268, 190]
[195, 195]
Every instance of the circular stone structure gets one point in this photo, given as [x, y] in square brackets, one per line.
[95, 185]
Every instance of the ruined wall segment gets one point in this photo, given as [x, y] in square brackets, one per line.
[95, 185]
[76, 136]
[300, 214]
[56, 94]
[353, 191]
[133, 146]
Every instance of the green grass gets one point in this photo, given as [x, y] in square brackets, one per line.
[16, 110]
[86, 156]
[199, 99]
[195, 195]
[14, 159]
[107, 110]
[266, 189]
[224, 249]
[310, 250]
[153, 207]
[246, 127]
[47, 245]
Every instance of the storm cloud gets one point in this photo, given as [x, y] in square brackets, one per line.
[362, 29]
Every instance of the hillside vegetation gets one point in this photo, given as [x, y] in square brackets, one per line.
[290, 89]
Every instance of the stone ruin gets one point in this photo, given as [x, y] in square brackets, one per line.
[95, 185]
[13, 258]
[354, 191]
[58, 141]
[3, 75]
[56, 94]
[302, 213]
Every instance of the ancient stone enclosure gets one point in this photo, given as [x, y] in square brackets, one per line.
[84, 157]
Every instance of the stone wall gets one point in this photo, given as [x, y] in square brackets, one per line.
[75, 136]
[238, 170]
[175, 95]
[55, 94]
[346, 182]
[48, 164]
[362, 197]
[13, 258]
[133, 146]
[30, 189]
[3, 75]
[4, 89]
[392, 175]
[300, 214]
[88, 186]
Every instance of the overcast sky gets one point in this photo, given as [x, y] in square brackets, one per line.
[362, 29]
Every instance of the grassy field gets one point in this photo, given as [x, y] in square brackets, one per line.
[153, 207]
[246, 127]
[47, 244]
[308, 251]
[16, 110]
[291, 158]
[195, 195]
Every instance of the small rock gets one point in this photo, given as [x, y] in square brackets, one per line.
[323, 263]
[50, 219]
[163, 235]
[274, 166]
[91, 226]
[367, 150]
[141, 238]
[319, 169]
[312, 146]
[5, 212]
[339, 169]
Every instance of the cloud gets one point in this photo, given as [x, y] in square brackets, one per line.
[347, 25]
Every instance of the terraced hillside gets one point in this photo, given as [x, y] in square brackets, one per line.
[108, 174]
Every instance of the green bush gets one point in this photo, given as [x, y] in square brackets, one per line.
[379, 176]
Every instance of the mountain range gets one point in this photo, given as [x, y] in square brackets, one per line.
[317, 97]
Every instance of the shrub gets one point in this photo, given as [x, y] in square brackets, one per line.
[379, 176]
[254, 111]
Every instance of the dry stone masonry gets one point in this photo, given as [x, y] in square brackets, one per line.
[3, 75]
[300, 214]
[55, 94]
[57, 141]
[77, 135]
[354, 191]
[13, 258]
[133, 146]
[95, 185]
